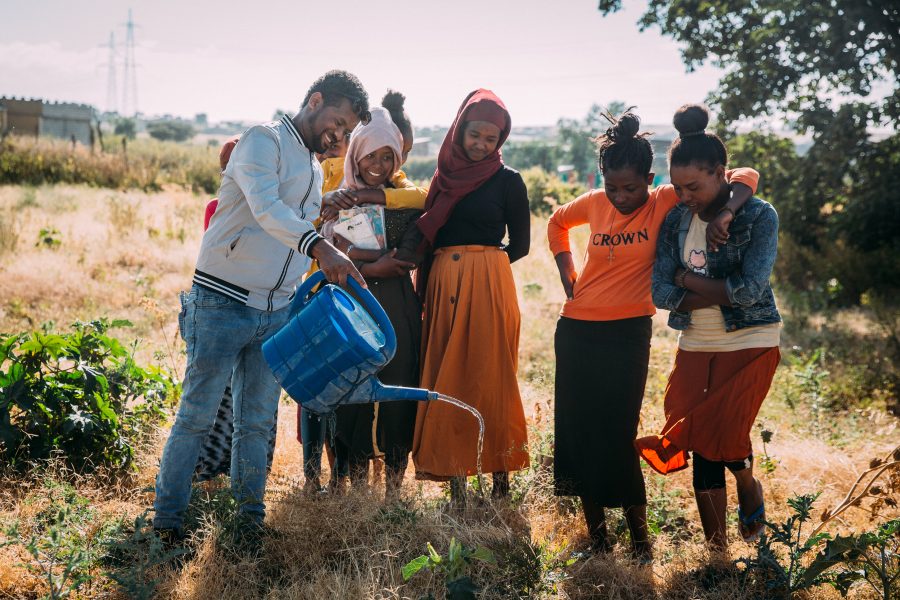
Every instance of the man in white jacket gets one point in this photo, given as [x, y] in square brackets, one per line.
[259, 243]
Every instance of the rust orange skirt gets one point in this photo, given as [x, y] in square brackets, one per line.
[470, 342]
[712, 400]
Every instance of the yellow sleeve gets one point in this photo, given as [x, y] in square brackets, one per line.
[333, 174]
[404, 194]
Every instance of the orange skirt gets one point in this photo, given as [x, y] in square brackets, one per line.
[470, 342]
[712, 400]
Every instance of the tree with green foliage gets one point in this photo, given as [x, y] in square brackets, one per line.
[577, 137]
[177, 131]
[523, 155]
[789, 57]
[830, 70]
[126, 127]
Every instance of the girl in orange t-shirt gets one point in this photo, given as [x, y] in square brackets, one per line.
[603, 334]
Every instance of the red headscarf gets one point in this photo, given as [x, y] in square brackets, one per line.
[457, 176]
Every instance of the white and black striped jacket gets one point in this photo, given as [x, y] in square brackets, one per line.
[257, 246]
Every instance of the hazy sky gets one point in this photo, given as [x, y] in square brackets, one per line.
[241, 60]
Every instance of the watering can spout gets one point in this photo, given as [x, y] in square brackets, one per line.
[372, 390]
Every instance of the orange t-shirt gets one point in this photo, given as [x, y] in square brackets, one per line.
[615, 278]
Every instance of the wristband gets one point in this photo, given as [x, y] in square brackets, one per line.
[349, 248]
[679, 280]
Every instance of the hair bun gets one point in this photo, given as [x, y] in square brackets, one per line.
[393, 101]
[625, 126]
[691, 119]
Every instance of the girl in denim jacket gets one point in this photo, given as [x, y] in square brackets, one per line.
[721, 302]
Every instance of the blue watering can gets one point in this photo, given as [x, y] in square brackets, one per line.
[332, 348]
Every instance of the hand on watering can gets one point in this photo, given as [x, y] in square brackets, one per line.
[335, 265]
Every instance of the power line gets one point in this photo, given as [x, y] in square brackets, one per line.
[111, 87]
[129, 83]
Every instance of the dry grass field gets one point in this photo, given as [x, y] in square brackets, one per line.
[127, 254]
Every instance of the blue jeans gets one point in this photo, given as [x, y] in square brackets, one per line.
[224, 345]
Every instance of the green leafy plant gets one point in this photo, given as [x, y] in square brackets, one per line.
[79, 395]
[133, 554]
[809, 377]
[48, 237]
[453, 566]
[872, 557]
[782, 552]
[766, 462]
[56, 556]
[529, 569]
[664, 511]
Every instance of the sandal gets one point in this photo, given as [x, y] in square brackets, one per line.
[746, 523]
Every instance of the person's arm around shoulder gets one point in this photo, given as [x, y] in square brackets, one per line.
[518, 217]
[747, 285]
[744, 182]
[404, 194]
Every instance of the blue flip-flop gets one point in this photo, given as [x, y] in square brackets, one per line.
[758, 515]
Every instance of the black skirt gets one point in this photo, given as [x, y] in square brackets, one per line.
[396, 420]
[601, 370]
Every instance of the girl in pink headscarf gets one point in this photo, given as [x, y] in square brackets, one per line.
[374, 155]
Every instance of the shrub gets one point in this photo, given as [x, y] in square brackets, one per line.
[546, 191]
[78, 394]
[420, 169]
[170, 130]
[143, 164]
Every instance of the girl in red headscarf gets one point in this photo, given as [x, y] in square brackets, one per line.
[471, 329]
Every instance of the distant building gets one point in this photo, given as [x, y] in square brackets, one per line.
[566, 172]
[422, 148]
[38, 118]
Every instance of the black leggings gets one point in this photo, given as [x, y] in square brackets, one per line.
[710, 474]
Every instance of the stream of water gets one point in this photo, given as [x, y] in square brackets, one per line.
[466, 407]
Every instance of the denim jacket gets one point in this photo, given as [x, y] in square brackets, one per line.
[745, 263]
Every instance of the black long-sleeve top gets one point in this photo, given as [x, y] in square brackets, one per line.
[484, 216]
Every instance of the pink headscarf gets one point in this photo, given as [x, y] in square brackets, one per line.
[379, 132]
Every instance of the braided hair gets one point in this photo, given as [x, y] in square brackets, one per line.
[622, 146]
[694, 145]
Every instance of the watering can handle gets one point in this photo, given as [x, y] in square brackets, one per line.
[303, 291]
[375, 309]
